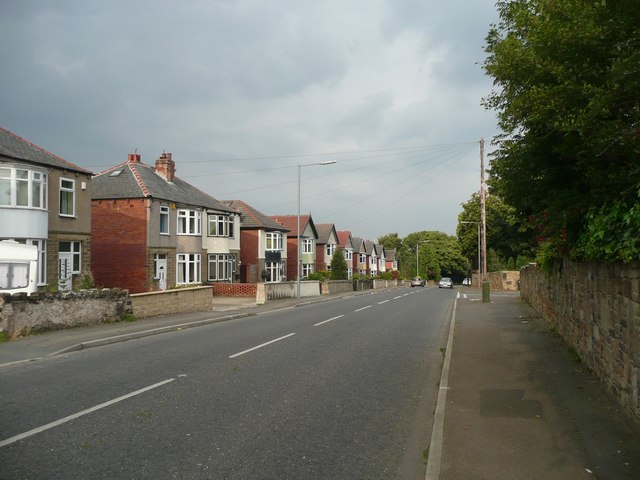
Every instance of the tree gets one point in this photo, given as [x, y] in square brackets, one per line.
[338, 266]
[567, 83]
[390, 241]
[438, 255]
[506, 234]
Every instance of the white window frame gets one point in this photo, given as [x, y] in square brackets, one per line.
[42, 260]
[274, 272]
[330, 249]
[223, 225]
[307, 269]
[348, 254]
[362, 258]
[189, 222]
[221, 267]
[165, 215]
[65, 191]
[76, 251]
[273, 242]
[188, 267]
[36, 184]
[307, 246]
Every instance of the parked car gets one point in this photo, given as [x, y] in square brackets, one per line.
[466, 282]
[445, 282]
[417, 282]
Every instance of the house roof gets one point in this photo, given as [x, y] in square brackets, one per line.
[390, 255]
[358, 245]
[250, 218]
[291, 223]
[15, 147]
[138, 180]
[380, 251]
[324, 232]
[369, 247]
[344, 239]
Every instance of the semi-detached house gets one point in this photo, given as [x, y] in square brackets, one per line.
[153, 230]
[45, 201]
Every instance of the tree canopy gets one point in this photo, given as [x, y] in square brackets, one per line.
[338, 266]
[567, 84]
[507, 236]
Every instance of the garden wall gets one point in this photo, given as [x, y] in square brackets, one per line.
[596, 309]
[21, 315]
[180, 300]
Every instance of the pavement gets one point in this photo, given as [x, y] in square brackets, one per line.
[514, 402]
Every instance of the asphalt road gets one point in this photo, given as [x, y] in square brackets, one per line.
[340, 389]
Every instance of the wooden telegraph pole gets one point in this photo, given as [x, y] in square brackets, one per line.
[483, 222]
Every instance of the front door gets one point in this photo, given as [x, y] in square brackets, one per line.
[65, 267]
[161, 270]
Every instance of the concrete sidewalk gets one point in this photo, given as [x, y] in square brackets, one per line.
[520, 406]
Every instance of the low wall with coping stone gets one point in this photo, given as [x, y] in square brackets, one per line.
[22, 315]
[596, 309]
[180, 300]
[274, 291]
[330, 287]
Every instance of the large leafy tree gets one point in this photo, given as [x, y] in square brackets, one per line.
[567, 94]
[434, 254]
[507, 236]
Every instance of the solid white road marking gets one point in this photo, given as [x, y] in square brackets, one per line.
[260, 346]
[15, 438]
[331, 319]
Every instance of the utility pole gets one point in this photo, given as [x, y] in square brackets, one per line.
[483, 221]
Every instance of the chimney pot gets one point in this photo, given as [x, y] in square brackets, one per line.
[133, 158]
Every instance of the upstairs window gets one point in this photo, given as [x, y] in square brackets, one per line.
[307, 245]
[221, 226]
[331, 248]
[164, 220]
[274, 241]
[20, 187]
[189, 222]
[67, 197]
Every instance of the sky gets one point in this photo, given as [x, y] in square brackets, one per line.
[246, 94]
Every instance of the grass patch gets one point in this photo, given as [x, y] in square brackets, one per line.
[3, 337]
[128, 317]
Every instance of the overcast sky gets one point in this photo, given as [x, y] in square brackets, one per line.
[241, 92]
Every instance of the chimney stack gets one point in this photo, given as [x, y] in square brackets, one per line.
[133, 158]
[165, 167]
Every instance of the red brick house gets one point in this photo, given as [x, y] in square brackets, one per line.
[345, 243]
[308, 238]
[263, 245]
[153, 231]
[326, 245]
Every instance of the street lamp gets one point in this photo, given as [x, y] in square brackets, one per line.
[479, 265]
[418, 256]
[330, 162]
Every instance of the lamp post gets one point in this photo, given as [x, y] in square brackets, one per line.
[479, 264]
[298, 233]
[418, 256]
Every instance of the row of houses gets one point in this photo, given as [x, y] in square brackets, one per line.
[140, 227]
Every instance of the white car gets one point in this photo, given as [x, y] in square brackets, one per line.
[466, 282]
[445, 282]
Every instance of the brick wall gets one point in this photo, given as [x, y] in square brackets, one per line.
[118, 255]
[249, 248]
[234, 289]
[292, 258]
[596, 309]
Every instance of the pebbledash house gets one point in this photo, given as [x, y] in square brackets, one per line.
[154, 231]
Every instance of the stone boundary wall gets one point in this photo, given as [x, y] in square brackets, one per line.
[384, 283]
[596, 309]
[180, 300]
[22, 315]
[506, 280]
[329, 287]
[235, 289]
